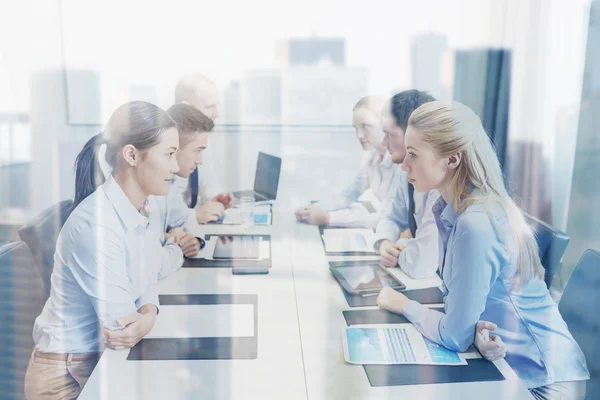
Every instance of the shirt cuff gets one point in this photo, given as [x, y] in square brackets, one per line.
[412, 310]
[381, 235]
[380, 238]
[377, 244]
[150, 297]
[402, 241]
[336, 218]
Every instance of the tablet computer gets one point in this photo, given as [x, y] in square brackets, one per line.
[237, 247]
[365, 278]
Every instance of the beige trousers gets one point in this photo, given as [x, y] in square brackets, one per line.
[53, 380]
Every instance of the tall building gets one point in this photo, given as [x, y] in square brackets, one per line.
[427, 60]
[312, 51]
[321, 95]
[261, 96]
[312, 86]
[232, 107]
[482, 80]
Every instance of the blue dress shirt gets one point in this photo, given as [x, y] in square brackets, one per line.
[479, 263]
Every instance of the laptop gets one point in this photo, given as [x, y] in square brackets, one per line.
[266, 179]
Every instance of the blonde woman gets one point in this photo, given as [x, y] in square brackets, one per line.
[489, 257]
[378, 172]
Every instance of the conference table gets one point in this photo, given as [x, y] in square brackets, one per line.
[299, 336]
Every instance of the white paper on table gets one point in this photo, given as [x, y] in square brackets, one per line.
[234, 216]
[411, 283]
[264, 209]
[209, 249]
[340, 240]
[394, 344]
[369, 196]
[264, 249]
[206, 320]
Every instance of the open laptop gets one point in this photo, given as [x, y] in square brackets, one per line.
[266, 179]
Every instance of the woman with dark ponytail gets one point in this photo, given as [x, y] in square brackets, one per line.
[103, 285]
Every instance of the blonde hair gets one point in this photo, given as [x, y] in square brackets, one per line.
[451, 128]
[372, 103]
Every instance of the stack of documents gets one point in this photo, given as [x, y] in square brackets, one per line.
[342, 240]
[394, 344]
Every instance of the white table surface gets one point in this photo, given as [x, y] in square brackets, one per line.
[300, 352]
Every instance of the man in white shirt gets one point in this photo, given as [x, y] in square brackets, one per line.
[201, 93]
[407, 236]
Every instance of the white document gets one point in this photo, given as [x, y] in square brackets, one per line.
[206, 320]
[340, 240]
[233, 216]
[261, 215]
[264, 249]
[394, 344]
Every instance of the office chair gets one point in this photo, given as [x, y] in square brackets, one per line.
[579, 307]
[41, 234]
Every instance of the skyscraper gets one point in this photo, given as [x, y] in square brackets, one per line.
[312, 51]
[427, 59]
[313, 86]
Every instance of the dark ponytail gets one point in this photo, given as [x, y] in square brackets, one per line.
[88, 175]
[138, 123]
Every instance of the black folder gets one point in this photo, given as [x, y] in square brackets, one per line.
[476, 370]
[204, 263]
[370, 317]
[220, 348]
[424, 296]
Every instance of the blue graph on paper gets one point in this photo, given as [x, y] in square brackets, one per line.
[364, 345]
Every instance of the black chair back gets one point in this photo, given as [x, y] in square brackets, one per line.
[552, 244]
[41, 234]
[579, 307]
[21, 302]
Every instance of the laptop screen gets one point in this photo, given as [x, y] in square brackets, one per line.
[266, 179]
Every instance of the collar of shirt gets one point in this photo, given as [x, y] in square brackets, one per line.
[386, 162]
[131, 217]
[104, 166]
[145, 209]
[444, 213]
[374, 159]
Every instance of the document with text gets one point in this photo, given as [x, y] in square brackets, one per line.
[394, 344]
